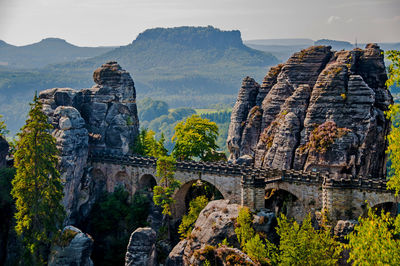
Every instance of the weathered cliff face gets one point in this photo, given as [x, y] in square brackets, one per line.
[103, 117]
[320, 111]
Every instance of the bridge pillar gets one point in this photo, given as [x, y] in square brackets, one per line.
[342, 203]
[253, 193]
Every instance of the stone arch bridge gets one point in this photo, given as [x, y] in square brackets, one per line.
[344, 197]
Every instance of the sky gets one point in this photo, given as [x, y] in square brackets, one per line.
[118, 22]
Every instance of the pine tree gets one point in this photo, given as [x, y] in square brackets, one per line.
[37, 187]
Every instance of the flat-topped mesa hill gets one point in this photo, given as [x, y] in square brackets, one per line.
[320, 111]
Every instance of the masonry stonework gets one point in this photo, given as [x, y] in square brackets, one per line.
[341, 197]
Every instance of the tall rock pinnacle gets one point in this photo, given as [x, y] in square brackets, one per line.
[320, 111]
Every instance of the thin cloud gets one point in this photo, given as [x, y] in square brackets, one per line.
[333, 19]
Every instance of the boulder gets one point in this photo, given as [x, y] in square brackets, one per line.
[73, 248]
[214, 224]
[142, 248]
[343, 228]
[277, 124]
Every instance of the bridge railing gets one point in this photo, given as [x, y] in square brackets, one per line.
[249, 174]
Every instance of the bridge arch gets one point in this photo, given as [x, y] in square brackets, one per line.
[99, 178]
[121, 178]
[147, 182]
[182, 200]
[294, 200]
[392, 207]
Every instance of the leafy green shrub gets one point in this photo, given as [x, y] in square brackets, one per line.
[195, 207]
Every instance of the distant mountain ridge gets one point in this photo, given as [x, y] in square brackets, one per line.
[47, 51]
[184, 66]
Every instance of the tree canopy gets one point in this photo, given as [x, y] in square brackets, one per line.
[147, 145]
[374, 240]
[194, 137]
[37, 187]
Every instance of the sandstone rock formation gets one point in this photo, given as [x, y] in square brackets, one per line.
[103, 117]
[3, 152]
[320, 111]
[73, 248]
[214, 224]
[141, 248]
[108, 108]
[343, 228]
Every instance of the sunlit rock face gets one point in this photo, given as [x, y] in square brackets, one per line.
[320, 111]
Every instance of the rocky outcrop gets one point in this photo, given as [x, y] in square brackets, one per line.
[343, 228]
[214, 224]
[142, 248]
[3, 152]
[320, 111]
[103, 117]
[221, 255]
[73, 248]
[108, 108]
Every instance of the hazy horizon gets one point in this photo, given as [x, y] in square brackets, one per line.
[116, 23]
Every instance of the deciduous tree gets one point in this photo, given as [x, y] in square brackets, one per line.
[194, 137]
